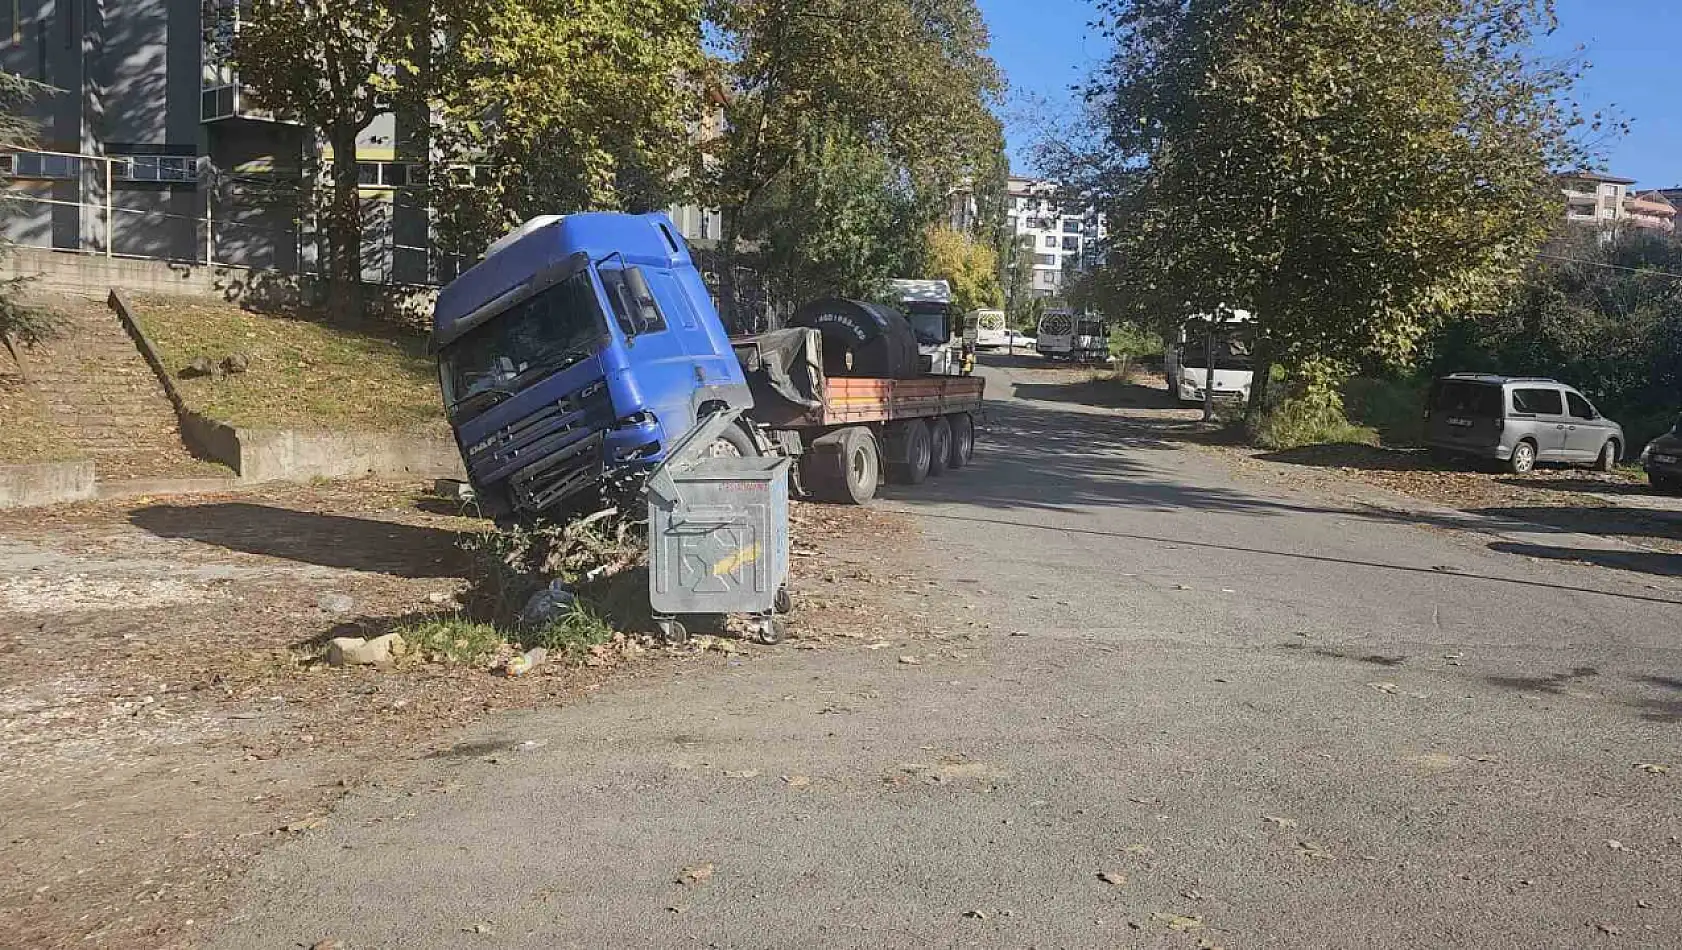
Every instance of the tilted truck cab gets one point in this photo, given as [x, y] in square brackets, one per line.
[582, 346]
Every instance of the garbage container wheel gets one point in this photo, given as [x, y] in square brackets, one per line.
[770, 630]
[672, 631]
[784, 602]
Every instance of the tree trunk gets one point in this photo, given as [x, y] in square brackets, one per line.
[729, 234]
[1261, 376]
[344, 230]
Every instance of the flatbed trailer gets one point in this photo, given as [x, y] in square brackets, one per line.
[850, 433]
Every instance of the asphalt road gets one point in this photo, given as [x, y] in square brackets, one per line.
[1271, 721]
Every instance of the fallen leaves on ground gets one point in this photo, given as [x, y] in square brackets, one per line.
[796, 781]
[1178, 922]
[1112, 877]
[1281, 822]
[1652, 768]
[696, 873]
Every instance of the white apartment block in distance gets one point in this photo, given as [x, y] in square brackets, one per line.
[1061, 241]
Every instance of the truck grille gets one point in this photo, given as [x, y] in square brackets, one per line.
[549, 453]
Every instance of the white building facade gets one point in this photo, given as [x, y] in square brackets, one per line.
[1063, 243]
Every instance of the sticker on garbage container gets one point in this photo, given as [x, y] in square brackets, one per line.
[731, 563]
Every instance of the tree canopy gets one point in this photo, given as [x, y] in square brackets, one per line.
[1349, 170]
[908, 80]
[969, 265]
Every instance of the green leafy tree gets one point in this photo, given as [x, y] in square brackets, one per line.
[334, 65]
[1350, 170]
[911, 79]
[968, 265]
[836, 221]
[561, 106]
[1016, 277]
[21, 323]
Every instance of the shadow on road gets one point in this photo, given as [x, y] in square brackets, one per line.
[1295, 555]
[357, 544]
[1620, 522]
[1034, 457]
[1105, 393]
[1645, 562]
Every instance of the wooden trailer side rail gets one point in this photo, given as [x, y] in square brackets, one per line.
[854, 401]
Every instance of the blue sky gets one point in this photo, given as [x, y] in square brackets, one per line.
[1045, 46]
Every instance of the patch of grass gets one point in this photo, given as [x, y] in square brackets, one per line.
[1295, 423]
[570, 634]
[27, 432]
[303, 373]
[452, 639]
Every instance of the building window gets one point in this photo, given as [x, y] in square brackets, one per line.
[1071, 243]
[44, 165]
[1045, 260]
[1071, 226]
[390, 174]
[1050, 241]
[172, 168]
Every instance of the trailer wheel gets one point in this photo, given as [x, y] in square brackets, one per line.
[845, 466]
[908, 454]
[940, 445]
[963, 439]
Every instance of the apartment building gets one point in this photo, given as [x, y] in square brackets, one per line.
[1611, 202]
[1062, 242]
[150, 147]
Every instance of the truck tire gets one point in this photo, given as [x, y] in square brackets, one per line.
[963, 439]
[733, 442]
[844, 466]
[908, 452]
[940, 445]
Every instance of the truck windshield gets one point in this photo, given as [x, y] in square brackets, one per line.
[533, 339]
[1231, 349]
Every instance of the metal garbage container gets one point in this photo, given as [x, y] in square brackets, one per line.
[718, 535]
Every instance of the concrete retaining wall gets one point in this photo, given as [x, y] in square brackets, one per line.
[45, 483]
[287, 455]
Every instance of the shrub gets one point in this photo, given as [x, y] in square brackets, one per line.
[1296, 422]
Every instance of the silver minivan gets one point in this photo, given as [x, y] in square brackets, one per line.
[1518, 420]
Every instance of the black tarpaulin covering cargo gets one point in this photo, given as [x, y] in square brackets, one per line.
[784, 370]
[861, 339]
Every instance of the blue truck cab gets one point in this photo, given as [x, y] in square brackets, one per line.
[582, 346]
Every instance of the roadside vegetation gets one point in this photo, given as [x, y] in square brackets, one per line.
[300, 372]
[563, 587]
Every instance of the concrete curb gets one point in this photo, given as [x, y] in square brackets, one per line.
[46, 483]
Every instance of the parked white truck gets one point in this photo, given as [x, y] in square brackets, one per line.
[1211, 353]
[1066, 335]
